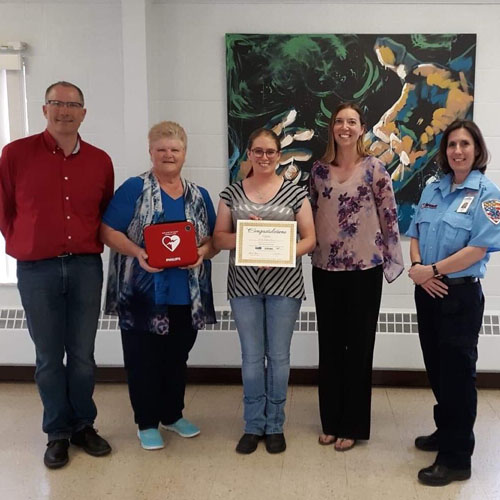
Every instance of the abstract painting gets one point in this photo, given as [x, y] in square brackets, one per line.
[410, 88]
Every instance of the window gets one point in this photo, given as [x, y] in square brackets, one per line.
[13, 124]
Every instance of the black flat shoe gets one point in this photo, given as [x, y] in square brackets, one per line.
[56, 454]
[428, 443]
[91, 442]
[248, 443]
[441, 475]
[275, 443]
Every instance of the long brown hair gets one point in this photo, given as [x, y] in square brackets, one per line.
[329, 154]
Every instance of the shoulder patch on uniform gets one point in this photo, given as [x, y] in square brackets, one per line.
[491, 209]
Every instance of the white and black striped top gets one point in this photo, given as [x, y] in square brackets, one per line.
[243, 281]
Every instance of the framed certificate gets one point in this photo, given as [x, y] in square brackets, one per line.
[266, 243]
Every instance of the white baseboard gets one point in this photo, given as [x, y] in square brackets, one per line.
[397, 346]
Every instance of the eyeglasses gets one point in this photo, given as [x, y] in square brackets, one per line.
[259, 153]
[62, 104]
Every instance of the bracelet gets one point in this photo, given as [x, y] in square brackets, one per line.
[415, 263]
[437, 274]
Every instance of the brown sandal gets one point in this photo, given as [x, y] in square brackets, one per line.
[326, 439]
[340, 441]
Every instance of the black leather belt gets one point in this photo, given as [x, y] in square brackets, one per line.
[465, 280]
[66, 254]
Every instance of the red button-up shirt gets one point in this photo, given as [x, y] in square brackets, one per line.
[51, 204]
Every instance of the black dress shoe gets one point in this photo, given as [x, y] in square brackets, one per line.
[275, 443]
[91, 442]
[441, 475]
[428, 443]
[56, 454]
[248, 443]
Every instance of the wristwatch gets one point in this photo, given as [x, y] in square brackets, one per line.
[437, 274]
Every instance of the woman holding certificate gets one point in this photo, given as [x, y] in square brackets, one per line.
[357, 242]
[265, 301]
[160, 310]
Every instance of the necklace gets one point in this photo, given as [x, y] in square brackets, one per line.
[264, 192]
[261, 195]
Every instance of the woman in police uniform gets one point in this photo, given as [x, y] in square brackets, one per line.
[455, 227]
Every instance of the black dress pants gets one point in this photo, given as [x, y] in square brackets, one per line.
[347, 307]
[449, 332]
[156, 369]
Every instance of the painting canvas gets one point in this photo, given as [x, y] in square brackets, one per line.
[410, 88]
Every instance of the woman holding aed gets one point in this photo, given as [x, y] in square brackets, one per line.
[160, 310]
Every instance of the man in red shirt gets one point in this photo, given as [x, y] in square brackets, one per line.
[54, 188]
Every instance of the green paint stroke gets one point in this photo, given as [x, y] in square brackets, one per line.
[369, 79]
[299, 48]
[325, 110]
[320, 123]
[338, 45]
[444, 41]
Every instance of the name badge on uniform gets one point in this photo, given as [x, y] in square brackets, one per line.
[465, 205]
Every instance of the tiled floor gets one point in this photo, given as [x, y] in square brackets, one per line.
[207, 467]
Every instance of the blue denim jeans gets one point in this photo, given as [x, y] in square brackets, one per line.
[265, 326]
[62, 300]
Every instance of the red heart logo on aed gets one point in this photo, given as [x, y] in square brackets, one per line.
[171, 242]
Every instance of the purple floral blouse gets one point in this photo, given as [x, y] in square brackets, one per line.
[356, 220]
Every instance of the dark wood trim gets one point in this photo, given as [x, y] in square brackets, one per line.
[232, 375]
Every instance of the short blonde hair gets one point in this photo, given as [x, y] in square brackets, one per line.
[170, 130]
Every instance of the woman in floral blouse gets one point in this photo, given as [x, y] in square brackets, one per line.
[357, 241]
